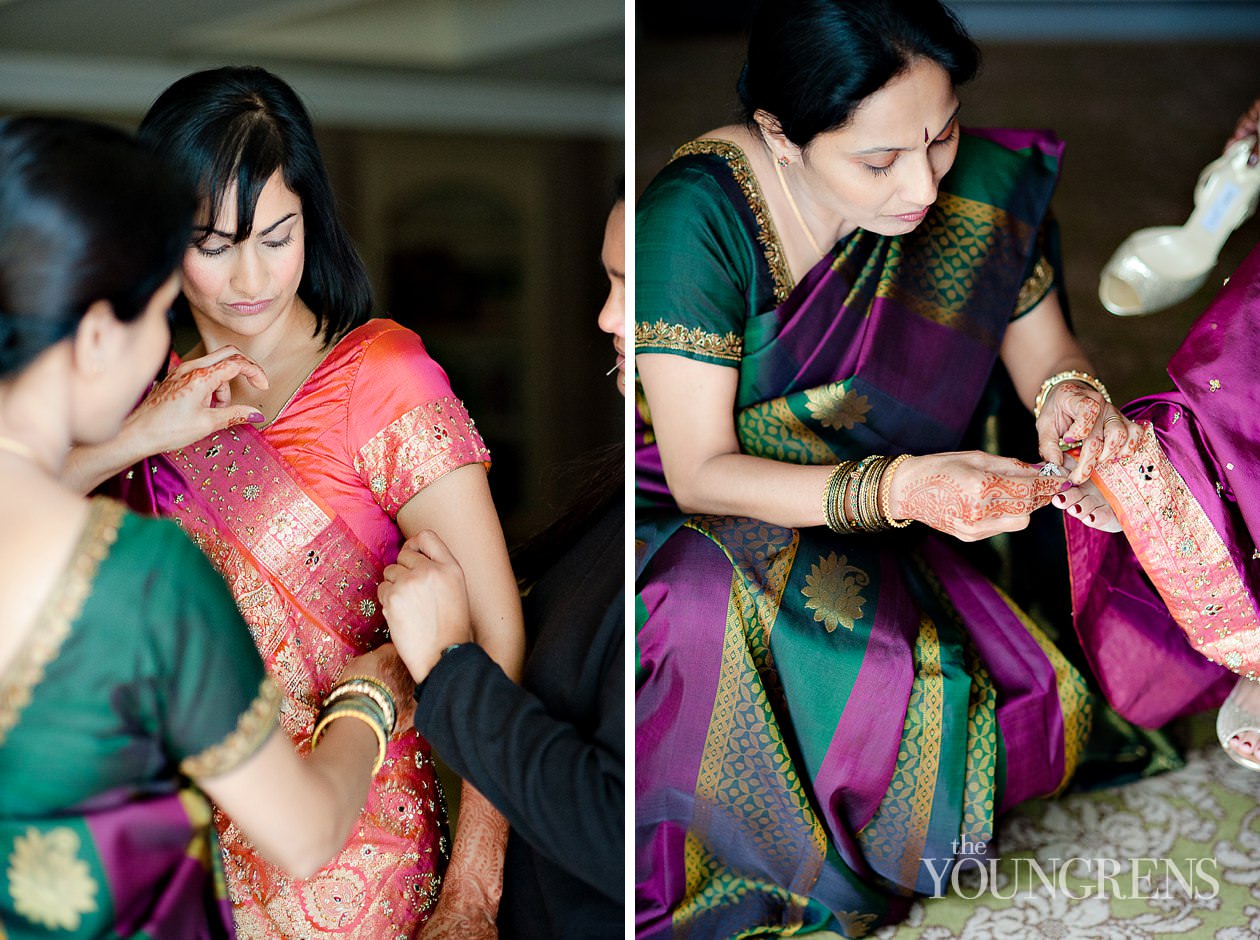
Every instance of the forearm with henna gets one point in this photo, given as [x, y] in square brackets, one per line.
[469, 903]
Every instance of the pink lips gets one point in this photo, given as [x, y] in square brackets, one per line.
[248, 309]
[913, 216]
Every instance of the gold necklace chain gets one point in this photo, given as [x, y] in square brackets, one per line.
[778, 171]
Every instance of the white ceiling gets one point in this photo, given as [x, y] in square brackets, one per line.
[530, 66]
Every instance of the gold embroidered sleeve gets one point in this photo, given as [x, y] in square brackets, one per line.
[693, 342]
[252, 729]
[432, 439]
[1035, 287]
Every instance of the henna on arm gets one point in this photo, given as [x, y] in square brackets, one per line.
[469, 903]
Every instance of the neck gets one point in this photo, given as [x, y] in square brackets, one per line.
[290, 335]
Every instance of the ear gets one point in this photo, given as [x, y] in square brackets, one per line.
[97, 339]
[772, 133]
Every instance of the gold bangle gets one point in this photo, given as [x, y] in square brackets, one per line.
[869, 499]
[833, 499]
[349, 709]
[885, 499]
[1069, 376]
[374, 689]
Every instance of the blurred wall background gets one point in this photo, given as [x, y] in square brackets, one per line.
[1143, 92]
[473, 146]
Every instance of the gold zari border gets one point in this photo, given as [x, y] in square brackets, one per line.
[675, 336]
[1035, 288]
[771, 247]
[55, 619]
[252, 729]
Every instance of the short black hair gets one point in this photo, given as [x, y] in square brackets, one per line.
[240, 125]
[86, 214]
[812, 62]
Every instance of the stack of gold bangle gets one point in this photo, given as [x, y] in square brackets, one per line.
[365, 699]
[1069, 376]
[856, 497]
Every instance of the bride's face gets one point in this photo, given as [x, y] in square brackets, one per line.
[881, 171]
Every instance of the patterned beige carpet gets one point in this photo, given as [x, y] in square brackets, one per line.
[1176, 854]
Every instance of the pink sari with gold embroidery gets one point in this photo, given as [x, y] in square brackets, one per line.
[299, 518]
[1168, 611]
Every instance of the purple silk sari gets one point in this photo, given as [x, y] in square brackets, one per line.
[1168, 614]
[822, 720]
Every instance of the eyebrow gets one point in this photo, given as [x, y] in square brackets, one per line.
[267, 231]
[870, 150]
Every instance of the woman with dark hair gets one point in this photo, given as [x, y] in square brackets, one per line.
[832, 701]
[129, 684]
[355, 442]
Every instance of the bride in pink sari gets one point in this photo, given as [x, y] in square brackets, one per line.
[323, 439]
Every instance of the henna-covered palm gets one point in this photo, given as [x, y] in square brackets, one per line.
[970, 495]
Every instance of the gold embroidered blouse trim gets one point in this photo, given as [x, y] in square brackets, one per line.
[252, 728]
[60, 611]
[767, 236]
[688, 339]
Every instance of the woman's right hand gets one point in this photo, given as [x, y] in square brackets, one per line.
[193, 401]
[969, 494]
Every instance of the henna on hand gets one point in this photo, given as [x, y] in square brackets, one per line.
[971, 503]
[469, 903]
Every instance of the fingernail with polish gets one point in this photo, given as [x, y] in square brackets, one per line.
[257, 417]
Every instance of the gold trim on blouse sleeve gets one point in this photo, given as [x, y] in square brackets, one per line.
[1035, 288]
[252, 729]
[771, 247]
[679, 338]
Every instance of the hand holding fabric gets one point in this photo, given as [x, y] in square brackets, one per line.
[1077, 413]
[193, 401]
[425, 601]
[969, 494]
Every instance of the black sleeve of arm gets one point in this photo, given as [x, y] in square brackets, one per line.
[560, 791]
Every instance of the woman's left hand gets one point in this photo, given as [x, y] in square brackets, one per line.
[1078, 413]
[425, 602]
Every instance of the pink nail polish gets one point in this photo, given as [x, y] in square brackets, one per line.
[257, 417]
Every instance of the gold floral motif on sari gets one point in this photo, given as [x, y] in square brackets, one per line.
[60, 611]
[418, 447]
[51, 886]
[837, 407]
[832, 592]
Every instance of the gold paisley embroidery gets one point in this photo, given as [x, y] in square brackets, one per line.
[831, 592]
[59, 613]
[1035, 287]
[771, 247]
[674, 336]
[51, 886]
[836, 407]
[252, 729]
[772, 429]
